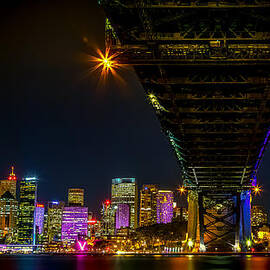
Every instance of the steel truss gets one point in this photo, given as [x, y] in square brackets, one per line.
[205, 67]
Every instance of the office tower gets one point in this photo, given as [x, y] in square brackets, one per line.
[74, 223]
[180, 214]
[148, 205]
[27, 205]
[94, 228]
[76, 197]
[258, 215]
[8, 217]
[125, 191]
[39, 218]
[55, 213]
[164, 206]
[9, 184]
[44, 237]
[122, 216]
[107, 218]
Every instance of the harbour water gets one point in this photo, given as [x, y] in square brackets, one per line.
[88, 262]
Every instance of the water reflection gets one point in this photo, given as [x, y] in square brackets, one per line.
[85, 262]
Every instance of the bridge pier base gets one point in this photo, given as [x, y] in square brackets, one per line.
[218, 221]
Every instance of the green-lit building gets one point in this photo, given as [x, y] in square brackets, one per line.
[26, 220]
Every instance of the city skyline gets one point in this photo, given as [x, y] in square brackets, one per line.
[65, 100]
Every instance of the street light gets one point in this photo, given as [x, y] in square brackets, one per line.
[190, 243]
[248, 243]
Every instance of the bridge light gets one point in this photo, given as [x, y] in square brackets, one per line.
[248, 243]
[257, 190]
[107, 61]
[155, 103]
[202, 248]
[182, 190]
[190, 243]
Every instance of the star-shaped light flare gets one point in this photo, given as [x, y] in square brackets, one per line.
[257, 190]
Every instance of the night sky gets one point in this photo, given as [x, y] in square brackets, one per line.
[59, 124]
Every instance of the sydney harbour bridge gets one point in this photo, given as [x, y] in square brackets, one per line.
[204, 66]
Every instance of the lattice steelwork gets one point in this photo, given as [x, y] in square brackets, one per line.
[204, 66]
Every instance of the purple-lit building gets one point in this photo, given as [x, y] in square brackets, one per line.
[122, 216]
[39, 217]
[164, 206]
[74, 223]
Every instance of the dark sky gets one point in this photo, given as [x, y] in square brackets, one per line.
[57, 124]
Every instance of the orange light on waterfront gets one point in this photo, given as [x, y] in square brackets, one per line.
[182, 190]
[257, 190]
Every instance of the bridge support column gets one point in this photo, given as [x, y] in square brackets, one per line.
[201, 222]
[237, 222]
[245, 219]
[193, 221]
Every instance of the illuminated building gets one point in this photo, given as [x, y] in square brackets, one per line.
[26, 220]
[264, 234]
[94, 228]
[107, 218]
[122, 216]
[148, 205]
[39, 218]
[76, 197]
[44, 237]
[164, 206]
[55, 213]
[125, 191]
[180, 213]
[9, 184]
[8, 217]
[258, 215]
[74, 223]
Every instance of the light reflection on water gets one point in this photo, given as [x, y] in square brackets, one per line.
[84, 262]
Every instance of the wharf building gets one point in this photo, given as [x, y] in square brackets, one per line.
[125, 191]
[164, 206]
[148, 205]
[27, 205]
[76, 197]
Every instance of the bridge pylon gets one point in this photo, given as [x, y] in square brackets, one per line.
[218, 221]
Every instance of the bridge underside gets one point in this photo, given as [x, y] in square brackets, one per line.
[205, 69]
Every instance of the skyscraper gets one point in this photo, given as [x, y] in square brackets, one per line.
[76, 197]
[74, 223]
[148, 205]
[28, 197]
[258, 216]
[8, 217]
[107, 218]
[125, 191]
[39, 218]
[55, 213]
[122, 216]
[9, 184]
[164, 206]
